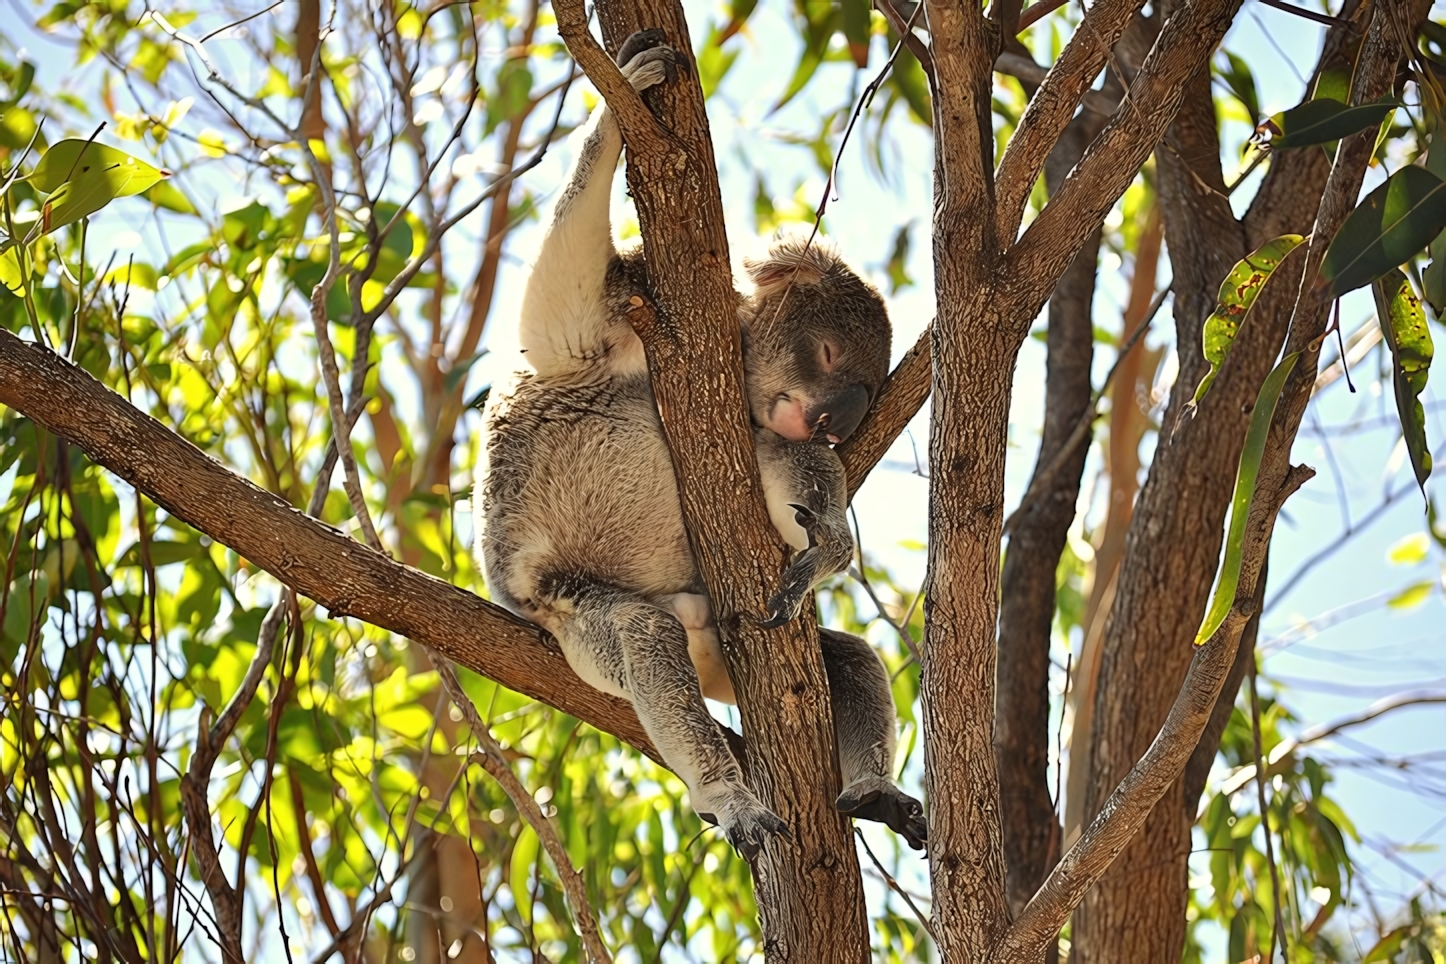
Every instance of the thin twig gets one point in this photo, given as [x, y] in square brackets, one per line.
[894, 884]
[1043, 480]
[494, 762]
[1323, 18]
[1277, 927]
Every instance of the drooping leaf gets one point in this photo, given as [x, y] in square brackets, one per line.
[856, 29]
[1403, 325]
[816, 35]
[909, 79]
[1386, 230]
[1324, 120]
[898, 263]
[1433, 276]
[76, 159]
[738, 14]
[1237, 294]
[1240, 503]
[1241, 81]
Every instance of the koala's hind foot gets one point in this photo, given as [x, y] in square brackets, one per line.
[646, 61]
[874, 798]
[745, 821]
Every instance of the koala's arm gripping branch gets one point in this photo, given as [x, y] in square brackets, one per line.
[636, 120]
[314, 559]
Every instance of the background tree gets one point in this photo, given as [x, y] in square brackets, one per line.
[218, 740]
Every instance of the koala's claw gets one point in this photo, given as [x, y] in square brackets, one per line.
[646, 61]
[874, 798]
[785, 605]
[637, 42]
[748, 825]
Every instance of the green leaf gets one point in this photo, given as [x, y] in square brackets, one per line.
[897, 265]
[74, 200]
[524, 858]
[164, 194]
[714, 63]
[137, 274]
[856, 29]
[909, 79]
[1386, 230]
[11, 277]
[1240, 502]
[74, 159]
[1324, 120]
[1237, 294]
[1241, 82]
[1403, 324]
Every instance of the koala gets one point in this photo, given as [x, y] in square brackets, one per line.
[579, 525]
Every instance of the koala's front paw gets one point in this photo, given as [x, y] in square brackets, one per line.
[874, 798]
[646, 61]
[745, 821]
[799, 577]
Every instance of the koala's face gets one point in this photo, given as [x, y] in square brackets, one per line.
[817, 346]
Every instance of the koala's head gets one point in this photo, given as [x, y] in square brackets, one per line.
[817, 341]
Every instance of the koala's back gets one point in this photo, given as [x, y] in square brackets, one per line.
[576, 488]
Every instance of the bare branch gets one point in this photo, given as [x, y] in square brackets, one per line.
[899, 400]
[1111, 163]
[1131, 802]
[1052, 106]
[494, 762]
[317, 561]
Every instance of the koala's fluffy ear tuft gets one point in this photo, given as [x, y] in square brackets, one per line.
[791, 259]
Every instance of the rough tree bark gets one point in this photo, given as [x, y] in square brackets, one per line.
[807, 887]
[1027, 584]
[1176, 532]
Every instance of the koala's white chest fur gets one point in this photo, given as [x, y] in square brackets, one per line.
[576, 488]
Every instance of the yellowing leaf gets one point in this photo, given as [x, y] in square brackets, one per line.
[1237, 294]
[1409, 550]
[1403, 324]
[1412, 596]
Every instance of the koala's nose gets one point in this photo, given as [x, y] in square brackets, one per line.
[839, 414]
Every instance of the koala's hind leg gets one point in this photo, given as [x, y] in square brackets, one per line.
[863, 724]
[659, 676]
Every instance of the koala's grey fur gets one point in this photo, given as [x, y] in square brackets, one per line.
[579, 524]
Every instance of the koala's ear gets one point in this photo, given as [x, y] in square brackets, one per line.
[791, 259]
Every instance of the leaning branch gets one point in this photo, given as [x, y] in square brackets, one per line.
[1126, 809]
[1052, 106]
[1110, 165]
[312, 558]
[900, 399]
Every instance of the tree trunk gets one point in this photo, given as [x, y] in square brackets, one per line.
[1137, 912]
[808, 888]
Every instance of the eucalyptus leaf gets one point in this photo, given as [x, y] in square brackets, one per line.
[1244, 497]
[1237, 294]
[76, 159]
[1324, 120]
[856, 30]
[1386, 230]
[1403, 325]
